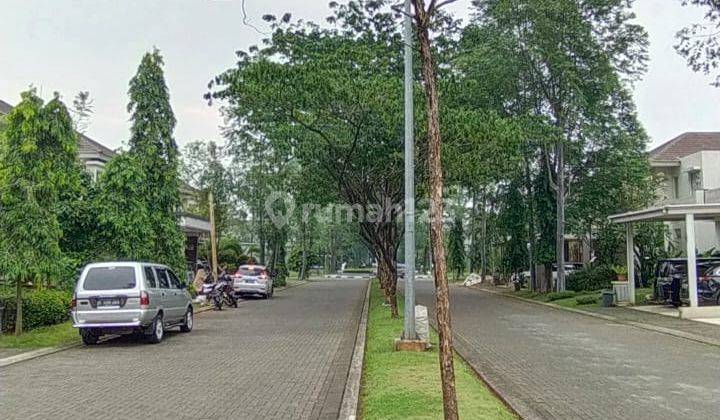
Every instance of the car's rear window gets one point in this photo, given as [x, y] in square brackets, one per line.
[251, 271]
[110, 278]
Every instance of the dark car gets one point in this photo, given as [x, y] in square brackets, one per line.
[671, 281]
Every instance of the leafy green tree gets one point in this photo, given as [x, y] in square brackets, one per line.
[38, 155]
[456, 248]
[140, 194]
[204, 169]
[153, 144]
[123, 212]
[78, 213]
[698, 43]
[330, 98]
[575, 55]
[514, 227]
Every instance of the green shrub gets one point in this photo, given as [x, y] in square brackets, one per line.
[559, 295]
[40, 308]
[590, 279]
[586, 300]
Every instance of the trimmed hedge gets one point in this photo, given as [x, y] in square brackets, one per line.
[550, 297]
[590, 279]
[40, 308]
[586, 300]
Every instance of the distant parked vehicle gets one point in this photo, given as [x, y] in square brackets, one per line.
[253, 280]
[569, 269]
[127, 298]
[671, 281]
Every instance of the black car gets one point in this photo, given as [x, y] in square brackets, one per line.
[671, 281]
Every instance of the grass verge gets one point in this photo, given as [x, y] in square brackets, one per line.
[580, 299]
[404, 385]
[52, 336]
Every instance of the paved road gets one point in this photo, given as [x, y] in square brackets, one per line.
[284, 358]
[559, 365]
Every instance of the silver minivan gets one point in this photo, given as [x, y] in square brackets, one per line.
[130, 298]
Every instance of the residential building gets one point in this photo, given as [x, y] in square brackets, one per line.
[95, 156]
[689, 166]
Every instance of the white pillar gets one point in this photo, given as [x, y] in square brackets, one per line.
[630, 250]
[692, 265]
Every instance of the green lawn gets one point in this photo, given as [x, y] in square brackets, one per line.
[53, 336]
[404, 385]
[572, 301]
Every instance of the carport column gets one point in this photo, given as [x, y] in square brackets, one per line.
[630, 242]
[692, 265]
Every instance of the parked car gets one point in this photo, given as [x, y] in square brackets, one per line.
[130, 297]
[569, 269]
[671, 281]
[253, 280]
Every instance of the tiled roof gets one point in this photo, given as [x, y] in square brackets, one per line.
[89, 149]
[86, 146]
[5, 107]
[686, 144]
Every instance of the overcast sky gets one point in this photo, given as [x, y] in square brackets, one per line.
[71, 46]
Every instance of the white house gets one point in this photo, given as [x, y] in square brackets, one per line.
[690, 167]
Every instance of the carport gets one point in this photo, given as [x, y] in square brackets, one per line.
[674, 212]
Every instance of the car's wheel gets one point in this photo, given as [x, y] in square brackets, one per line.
[89, 337]
[157, 330]
[187, 324]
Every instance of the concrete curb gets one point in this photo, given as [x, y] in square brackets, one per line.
[514, 405]
[34, 354]
[351, 395]
[640, 325]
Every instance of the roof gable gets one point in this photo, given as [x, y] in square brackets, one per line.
[686, 144]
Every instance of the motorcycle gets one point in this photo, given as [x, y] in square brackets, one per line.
[221, 292]
[213, 293]
[225, 284]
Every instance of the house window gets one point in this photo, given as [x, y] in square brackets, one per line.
[695, 181]
[676, 187]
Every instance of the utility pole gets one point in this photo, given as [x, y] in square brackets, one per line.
[213, 237]
[409, 325]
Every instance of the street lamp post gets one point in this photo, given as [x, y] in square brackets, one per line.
[409, 324]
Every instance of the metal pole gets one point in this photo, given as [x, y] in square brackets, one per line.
[213, 240]
[691, 260]
[409, 325]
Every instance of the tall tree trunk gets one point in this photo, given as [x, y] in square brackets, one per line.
[303, 259]
[388, 276]
[473, 232]
[435, 181]
[531, 226]
[333, 251]
[18, 307]
[261, 235]
[483, 248]
[560, 199]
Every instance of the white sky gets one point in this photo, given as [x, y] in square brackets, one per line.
[69, 46]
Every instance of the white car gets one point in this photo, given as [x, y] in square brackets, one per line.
[253, 280]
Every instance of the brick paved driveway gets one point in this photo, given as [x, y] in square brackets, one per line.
[560, 365]
[283, 358]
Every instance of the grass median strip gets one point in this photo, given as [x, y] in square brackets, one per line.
[52, 336]
[400, 385]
